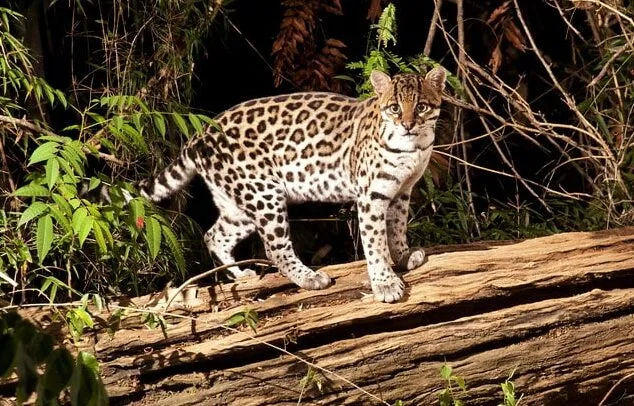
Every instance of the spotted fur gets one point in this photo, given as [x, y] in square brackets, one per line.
[323, 147]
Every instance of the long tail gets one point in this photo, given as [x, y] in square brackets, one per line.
[171, 179]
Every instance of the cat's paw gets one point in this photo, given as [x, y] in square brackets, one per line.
[389, 290]
[310, 279]
[236, 273]
[412, 259]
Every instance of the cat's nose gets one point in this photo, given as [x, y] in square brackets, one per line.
[408, 125]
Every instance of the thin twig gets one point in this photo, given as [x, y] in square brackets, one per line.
[620, 381]
[462, 71]
[607, 65]
[432, 27]
[253, 47]
[576, 196]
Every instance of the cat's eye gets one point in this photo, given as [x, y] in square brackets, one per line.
[421, 108]
[394, 108]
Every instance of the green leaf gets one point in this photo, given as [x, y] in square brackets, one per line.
[66, 168]
[82, 224]
[175, 248]
[7, 355]
[31, 190]
[52, 172]
[86, 387]
[44, 152]
[35, 210]
[445, 372]
[136, 138]
[62, 213]
[461, 383]
[94, 182]
[99, 237]
[48, 92]
[84, 316]
[445, 398]
[136, 120]
[236, 319]
[195, 121]
[253, 323]
[44, 236]
[61, 97]
[59, 369]
[153, 236]
[181, 124]
[50, 281]
[63, 204]
[159, 123]
[137, 210]
[205, 119]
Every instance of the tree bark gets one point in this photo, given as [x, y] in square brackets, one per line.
[557, 310]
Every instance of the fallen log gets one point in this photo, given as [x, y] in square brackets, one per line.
[557, 310]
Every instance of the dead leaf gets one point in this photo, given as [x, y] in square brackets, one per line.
[496, 59]
[514, 36]
[499, 12]
[331, 42]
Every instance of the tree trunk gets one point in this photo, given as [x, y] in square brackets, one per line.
[557, 310]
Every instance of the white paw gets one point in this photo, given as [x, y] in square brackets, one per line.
[314, 280]
[416, 258]
[236, 273]
[411, 259]
[307, 278]
[390, 290]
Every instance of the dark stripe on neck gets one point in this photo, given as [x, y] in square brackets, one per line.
[378, 196]
[399, 151]
[426, 147]
[387, 176]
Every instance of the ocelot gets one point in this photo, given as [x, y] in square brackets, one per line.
[316, 146]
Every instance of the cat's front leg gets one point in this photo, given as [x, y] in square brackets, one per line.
[387, 286]
[404, 257]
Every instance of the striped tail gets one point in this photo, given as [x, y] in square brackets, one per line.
[171, 179]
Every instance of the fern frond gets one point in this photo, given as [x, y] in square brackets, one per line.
[386, 28]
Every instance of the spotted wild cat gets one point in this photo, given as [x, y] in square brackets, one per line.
[316, 146]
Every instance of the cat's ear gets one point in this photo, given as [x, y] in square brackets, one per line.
[437, 77]
[380, 81]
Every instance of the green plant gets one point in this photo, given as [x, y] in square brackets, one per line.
[247, 317]
[45, 370]
[58, 220]
[52, 230]
[441, 215]
[447, 396]
[508, 390]
[382, 59]
[312, 379]
[379, 57]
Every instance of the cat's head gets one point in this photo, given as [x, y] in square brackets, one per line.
[409, 103]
